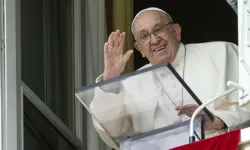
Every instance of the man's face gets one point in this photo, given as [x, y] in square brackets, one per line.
[158, 49]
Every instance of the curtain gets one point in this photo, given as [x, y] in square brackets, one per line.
[95, 35]
[122, 19]
[120, 16]
[96, 30]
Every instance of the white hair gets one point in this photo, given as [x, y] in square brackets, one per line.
[149, 9]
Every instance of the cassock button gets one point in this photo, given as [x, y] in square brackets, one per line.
[174, 85]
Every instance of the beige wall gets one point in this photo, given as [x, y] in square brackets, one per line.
[119, 15]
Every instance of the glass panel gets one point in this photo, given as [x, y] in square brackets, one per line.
[47, 51]
[1, 71]
[32, 46]
[139, 102]
[164, 138]
[39, 133]
[31, 141]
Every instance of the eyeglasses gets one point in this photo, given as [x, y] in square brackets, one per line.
[160, 30]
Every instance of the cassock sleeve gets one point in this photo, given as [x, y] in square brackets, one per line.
[230, 112]
[110, 114]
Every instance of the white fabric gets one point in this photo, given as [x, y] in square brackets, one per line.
[208, 68]
[244, 42]
[149, 9]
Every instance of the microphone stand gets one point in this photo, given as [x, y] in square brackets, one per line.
[234, 86]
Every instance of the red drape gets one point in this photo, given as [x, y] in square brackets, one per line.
[227, 141]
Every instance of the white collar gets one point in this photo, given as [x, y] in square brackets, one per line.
[180, 55]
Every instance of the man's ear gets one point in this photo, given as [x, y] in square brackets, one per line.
[137, 46]
[177, 29]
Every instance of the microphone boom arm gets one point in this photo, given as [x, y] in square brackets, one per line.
[234, 86]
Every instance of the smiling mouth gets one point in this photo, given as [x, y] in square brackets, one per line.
[159, 48]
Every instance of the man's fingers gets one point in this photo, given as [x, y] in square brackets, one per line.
[107, 50]
[111, 36]
[187, 113]
[116, 38]
[110, 40]
[180, 113]
[208, 124]
[183, 110]
[121, 40]
[186, 109]
[189, 107]
[178, 108]
[127, 55]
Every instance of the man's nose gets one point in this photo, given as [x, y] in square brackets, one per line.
[154, 39]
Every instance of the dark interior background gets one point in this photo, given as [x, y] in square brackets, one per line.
[201, 20]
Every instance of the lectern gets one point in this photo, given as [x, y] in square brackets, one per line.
[164, 138]
[138, 110]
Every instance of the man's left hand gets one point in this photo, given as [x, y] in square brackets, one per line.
[208, 123]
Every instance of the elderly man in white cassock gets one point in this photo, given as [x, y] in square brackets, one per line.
[205, 67]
